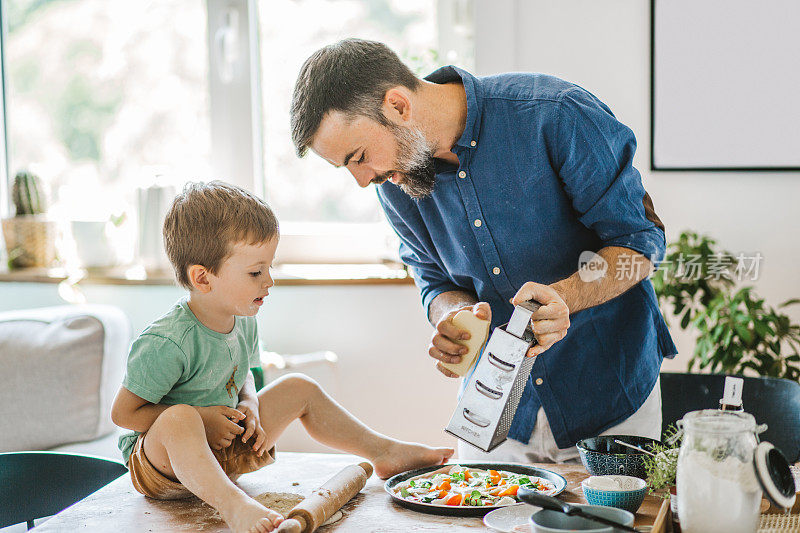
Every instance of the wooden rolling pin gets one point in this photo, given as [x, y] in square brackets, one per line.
[312, 512]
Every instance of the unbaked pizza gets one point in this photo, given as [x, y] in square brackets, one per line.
[456, 485]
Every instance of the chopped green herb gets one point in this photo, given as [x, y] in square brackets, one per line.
[404, 493]
[412, 483]
[458, 476]
[524, 480]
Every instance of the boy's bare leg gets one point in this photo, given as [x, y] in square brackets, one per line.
[176, 445]
[297, 396]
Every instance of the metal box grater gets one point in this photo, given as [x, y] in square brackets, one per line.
[493, 390]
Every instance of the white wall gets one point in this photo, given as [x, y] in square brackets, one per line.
[604, 46]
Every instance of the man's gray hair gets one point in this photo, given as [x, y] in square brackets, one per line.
[351, 76]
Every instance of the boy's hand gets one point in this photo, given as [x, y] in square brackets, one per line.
[252, 424]
[221, 423]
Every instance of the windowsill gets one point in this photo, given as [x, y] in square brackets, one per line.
[284, 275]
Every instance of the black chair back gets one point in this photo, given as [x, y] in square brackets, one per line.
[772, 401]
[38, 484]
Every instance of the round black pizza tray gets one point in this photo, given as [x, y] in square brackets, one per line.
[451, 510]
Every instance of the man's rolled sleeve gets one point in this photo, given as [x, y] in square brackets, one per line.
[430, 280]
[429, 276]
[595, 163]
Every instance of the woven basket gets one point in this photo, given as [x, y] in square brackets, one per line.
[779, 523]
[30, 241]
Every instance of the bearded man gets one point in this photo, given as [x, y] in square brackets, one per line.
[497, 187]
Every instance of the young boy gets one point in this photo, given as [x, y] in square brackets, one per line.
[189, 395]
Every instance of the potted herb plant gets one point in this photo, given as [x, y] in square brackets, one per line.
[662, 466]
[29, 235]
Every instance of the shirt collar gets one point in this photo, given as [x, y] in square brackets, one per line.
[473, 90]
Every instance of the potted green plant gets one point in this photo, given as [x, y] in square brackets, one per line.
[29, 235]
[736, 330]
[662, 466]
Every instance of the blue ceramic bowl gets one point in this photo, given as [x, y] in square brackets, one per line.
[601, 456]
[630, 500]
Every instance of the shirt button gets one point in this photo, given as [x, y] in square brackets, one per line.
[539, 381]
[477, 223]
[496, 270]
[474, 143]
[462, 174]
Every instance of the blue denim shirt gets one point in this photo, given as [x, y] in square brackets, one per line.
[545, 172]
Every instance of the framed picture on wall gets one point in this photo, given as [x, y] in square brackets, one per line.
[725, 85]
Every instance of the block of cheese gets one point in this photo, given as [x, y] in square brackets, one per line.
[479, 332]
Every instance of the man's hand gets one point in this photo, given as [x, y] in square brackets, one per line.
[221, 425]
[443, 345]
[551, 321]
[252, 426]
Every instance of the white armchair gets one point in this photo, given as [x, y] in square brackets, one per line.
[60, 368]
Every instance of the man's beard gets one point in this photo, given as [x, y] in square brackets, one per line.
[414, 162]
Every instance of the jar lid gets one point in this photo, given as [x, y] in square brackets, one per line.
[721, 422]
[774, 475]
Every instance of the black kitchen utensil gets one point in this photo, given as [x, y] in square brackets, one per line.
[554, 504]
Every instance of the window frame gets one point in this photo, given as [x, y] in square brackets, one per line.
[5, 193]
[235, 103]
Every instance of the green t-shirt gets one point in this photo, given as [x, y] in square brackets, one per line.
[178, 360]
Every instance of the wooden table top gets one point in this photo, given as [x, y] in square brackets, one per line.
[118, 507]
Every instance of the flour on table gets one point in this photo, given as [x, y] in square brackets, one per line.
[280, 502]
[335, 517]
[283, 502]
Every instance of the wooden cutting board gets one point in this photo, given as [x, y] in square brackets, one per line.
[663, 521]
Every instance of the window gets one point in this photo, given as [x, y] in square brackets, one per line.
[310, 189]
[103, 95]
[311, 197]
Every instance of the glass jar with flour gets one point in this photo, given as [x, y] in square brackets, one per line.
[717, 486]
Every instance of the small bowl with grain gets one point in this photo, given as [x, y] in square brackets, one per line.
[622, 492]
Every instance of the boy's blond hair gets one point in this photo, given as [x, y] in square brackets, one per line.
[207, 219]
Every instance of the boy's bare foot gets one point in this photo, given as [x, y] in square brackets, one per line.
[249, 516]
[400, 456]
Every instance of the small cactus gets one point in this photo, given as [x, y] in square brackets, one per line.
[28, 194]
